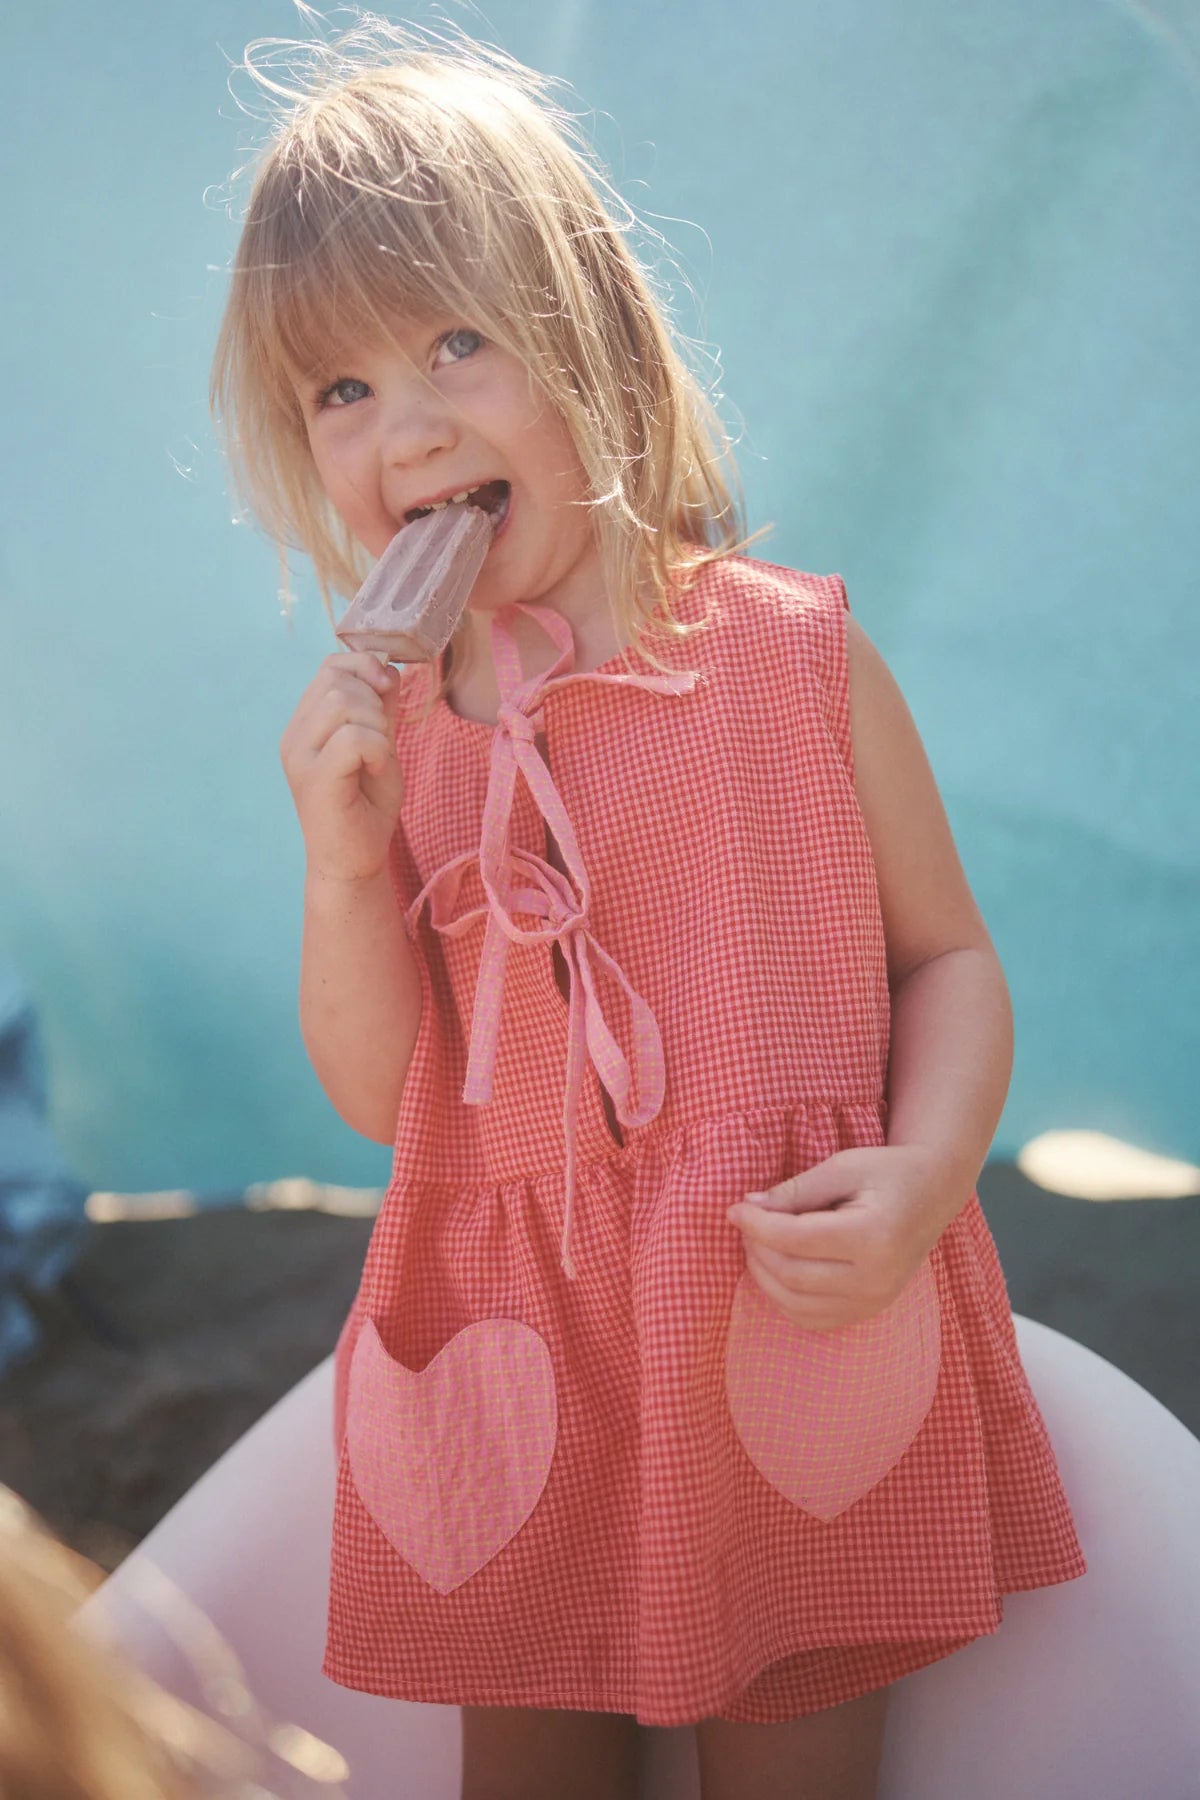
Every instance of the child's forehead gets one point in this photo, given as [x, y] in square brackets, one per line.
[403, 334]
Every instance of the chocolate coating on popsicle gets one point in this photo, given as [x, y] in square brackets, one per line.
[410, 603]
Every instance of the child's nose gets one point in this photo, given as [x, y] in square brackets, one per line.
[414, 426]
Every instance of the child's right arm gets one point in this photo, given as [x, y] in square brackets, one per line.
[360, 990]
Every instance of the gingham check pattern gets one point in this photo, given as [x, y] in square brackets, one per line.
[562, 902]
[735, 1520]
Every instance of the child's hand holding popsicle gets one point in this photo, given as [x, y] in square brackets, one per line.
[338, 752]
[339, 756]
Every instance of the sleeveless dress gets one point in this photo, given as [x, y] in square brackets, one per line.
[584, 1462]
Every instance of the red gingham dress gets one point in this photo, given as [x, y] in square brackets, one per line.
[584, 1461]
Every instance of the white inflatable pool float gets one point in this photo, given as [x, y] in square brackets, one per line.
[1089, 1691]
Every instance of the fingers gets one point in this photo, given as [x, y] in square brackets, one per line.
[347, 705]
[351, 689]
[819, 1296]
[368, 668]
[352, 747]
[799, 1275]
[811, 1310]
[836, 1178]
[830, 1235]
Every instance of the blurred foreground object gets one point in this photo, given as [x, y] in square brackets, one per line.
[80, 1723]
[42, 1218]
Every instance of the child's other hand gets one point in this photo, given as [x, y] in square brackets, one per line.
[339, 756]
[840, 1242]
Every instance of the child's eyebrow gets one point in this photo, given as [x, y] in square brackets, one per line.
[334, 365]
[309, 381]
[309, 384]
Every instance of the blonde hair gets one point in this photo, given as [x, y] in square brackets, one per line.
[67, 1728]
[78, 1722]
[414, 176]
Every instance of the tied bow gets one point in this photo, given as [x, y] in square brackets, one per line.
[519, 881]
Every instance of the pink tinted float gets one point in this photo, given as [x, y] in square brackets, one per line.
[1090, 1690]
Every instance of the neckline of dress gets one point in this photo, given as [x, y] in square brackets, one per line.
[612, 665]
[617, 664]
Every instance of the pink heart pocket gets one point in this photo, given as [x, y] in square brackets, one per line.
[451, 1460]
[824, 1415]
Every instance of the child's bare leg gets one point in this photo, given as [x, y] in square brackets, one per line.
[527, 1753]
[828, 1755]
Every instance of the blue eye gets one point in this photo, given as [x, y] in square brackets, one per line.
[335, 394]
[474, 342]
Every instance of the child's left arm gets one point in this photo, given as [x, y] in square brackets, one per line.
[837, 1244]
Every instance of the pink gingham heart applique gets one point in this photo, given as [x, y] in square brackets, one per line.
[824, 1415]
[451, 1460]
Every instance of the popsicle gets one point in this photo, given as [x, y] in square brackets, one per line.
[408, 606]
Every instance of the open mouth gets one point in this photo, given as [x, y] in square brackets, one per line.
[491, 497]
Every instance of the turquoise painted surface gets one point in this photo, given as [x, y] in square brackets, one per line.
[950, 257]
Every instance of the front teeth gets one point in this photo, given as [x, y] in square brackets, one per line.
[454, 500]
[420, 512]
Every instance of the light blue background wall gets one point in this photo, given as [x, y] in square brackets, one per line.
[950, 257]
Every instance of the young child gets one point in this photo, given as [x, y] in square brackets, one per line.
[682, 1385]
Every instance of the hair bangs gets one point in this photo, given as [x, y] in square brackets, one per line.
[325, 268]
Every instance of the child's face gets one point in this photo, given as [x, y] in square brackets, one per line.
[439, 409]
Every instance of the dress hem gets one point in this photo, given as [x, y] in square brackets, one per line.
[436, 1695]
[951, 1636]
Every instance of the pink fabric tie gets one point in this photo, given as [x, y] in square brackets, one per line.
[519, 881]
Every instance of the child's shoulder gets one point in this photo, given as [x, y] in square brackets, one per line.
[742, 584]
[767, 609]
[783, 643]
